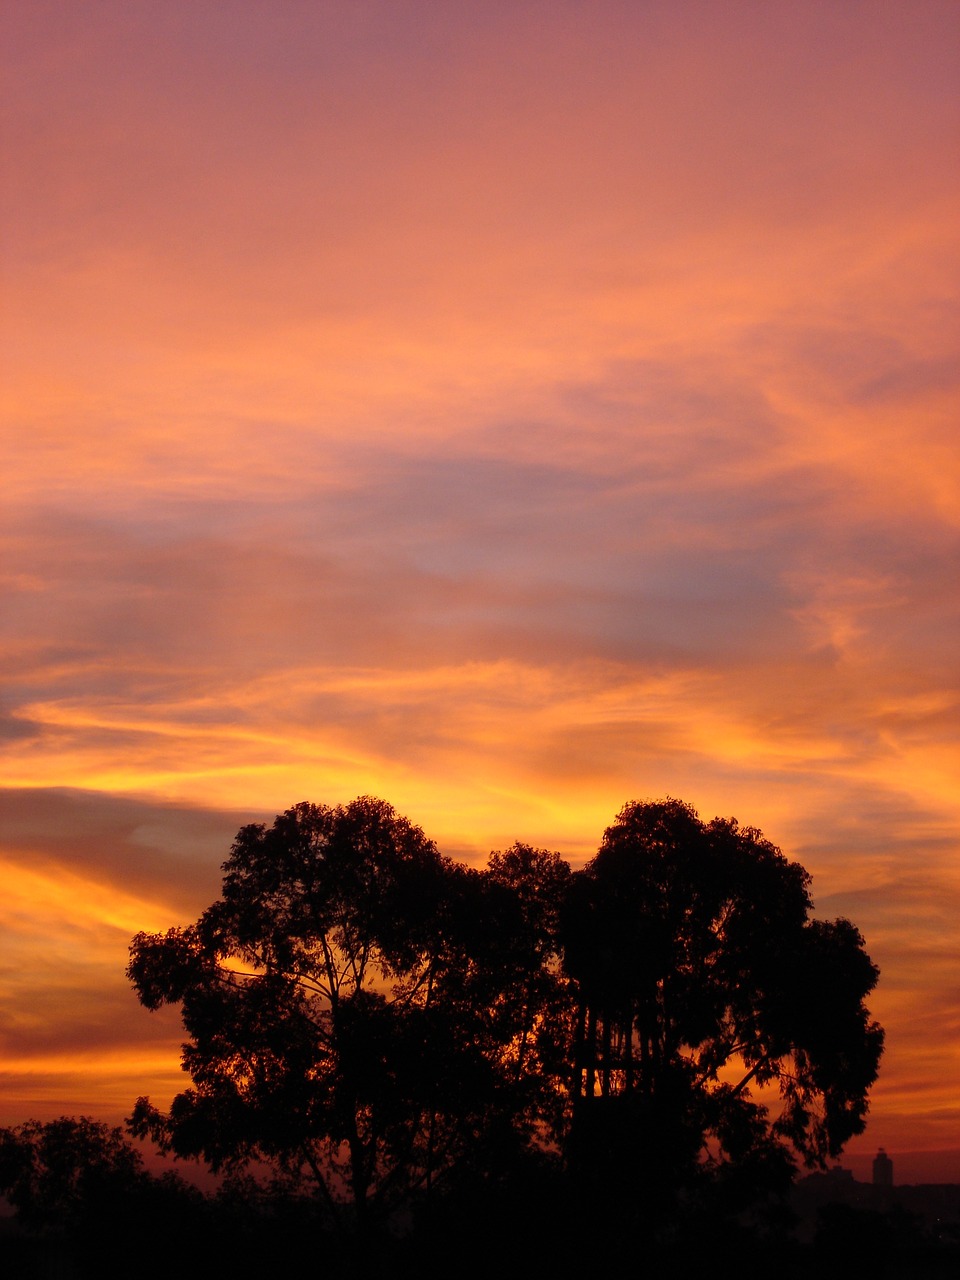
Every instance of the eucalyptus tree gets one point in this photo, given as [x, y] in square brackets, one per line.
[701, 978]
[370, 1017]
[349, 1008]
[306, 993]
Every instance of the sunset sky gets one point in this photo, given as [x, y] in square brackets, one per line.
[506, 408]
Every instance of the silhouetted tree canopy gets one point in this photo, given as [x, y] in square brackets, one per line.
[89, 1208]
[354, 1003]
[699, 977]
[80, 1187]
[60, 1172]
[368, 1014]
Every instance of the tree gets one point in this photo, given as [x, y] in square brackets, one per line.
[700, 976]
[366, 1014]
[327, 997]
[533, 1002]
[506, 984]
[62, 1174]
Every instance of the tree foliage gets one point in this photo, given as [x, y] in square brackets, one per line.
[61, 1173]
[699, 978]
[340, 1010]
[366, 1013]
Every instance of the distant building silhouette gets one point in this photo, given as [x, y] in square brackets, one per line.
[882, 1169]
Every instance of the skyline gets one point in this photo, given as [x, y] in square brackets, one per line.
[509, 412]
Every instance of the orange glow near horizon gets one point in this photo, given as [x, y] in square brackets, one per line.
[508, 411]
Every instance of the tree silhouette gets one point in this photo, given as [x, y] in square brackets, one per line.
[61, 1174]
[504, 985]
[699, 976]
[330, 997]
[366, 1014]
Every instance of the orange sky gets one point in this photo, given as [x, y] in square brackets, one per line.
[506, 409]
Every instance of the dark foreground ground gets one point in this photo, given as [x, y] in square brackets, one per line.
[846, 1247]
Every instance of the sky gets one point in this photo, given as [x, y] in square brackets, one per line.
[506, 409]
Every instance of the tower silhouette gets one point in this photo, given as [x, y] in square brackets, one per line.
[882, 1169]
